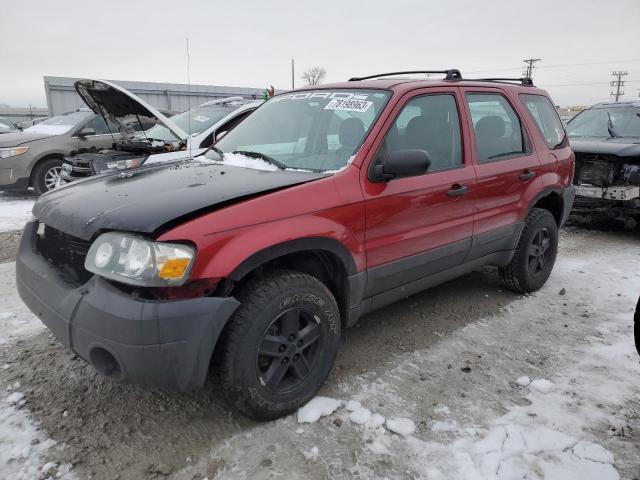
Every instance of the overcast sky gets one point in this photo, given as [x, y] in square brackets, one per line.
[251, 43]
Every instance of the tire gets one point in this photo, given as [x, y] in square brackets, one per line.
[535, 254]
[277, 312]
[44, 174]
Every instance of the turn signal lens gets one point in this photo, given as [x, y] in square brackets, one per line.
[174, 268]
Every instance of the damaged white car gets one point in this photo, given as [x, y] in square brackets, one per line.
[187, 134]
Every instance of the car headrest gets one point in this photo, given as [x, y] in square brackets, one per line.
[351, 132]
[490, 127]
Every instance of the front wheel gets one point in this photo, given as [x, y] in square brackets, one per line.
[280, 345]
[535, 254]
[47, 175]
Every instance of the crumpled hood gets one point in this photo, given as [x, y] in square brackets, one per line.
[148, 198]
[18, 138]
[622, 147]
[122, 107]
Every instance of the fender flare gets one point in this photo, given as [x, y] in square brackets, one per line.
[543, 193]
[292, 246]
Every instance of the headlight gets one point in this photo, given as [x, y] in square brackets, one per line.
[12, 152]
[117, 165]
[137, 261]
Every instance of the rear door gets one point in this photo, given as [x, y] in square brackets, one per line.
[417, 226]
[505, 163]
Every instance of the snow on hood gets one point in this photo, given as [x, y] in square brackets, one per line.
[121, 106]
[49, 129]
[239, 160]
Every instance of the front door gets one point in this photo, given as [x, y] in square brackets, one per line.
[417, 226]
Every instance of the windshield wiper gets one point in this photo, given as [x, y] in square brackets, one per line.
[262, 156]
[610, 129]
[217, 150]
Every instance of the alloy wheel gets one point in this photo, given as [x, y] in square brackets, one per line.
[289, 350]
[539, 251]
[52, 177]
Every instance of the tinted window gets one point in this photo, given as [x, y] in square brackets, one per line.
[606, 122]
[429, 123]
[496, 126]
[546, 119]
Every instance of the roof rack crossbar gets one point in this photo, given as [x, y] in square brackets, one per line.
[526, 81]
[451, 74]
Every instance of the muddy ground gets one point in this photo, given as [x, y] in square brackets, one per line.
[108, 430]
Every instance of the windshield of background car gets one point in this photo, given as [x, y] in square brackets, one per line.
[59, 124]
[315, 130]
[193, 121]
[606, 122]
[5, 124]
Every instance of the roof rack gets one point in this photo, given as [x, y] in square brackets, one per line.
[526, 81]
[451, 74]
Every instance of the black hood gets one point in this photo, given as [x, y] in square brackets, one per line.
[148, 198]
[622, 147]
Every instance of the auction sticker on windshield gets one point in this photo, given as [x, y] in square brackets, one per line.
[348, 105]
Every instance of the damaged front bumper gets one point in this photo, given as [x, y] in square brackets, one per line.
[165, 344]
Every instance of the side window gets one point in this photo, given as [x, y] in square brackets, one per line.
[429, 123]
[100, 127]
[546, 119]
[496, 126]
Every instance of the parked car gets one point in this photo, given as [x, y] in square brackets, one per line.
[30, 123]
[33, 157]
[606, 142]
[324, 204]
[7, 126]
[196, 131]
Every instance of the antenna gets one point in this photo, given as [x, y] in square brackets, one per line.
[189, 98]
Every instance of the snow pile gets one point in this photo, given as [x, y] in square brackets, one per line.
[401, 426]
[360, 416]
[316, 408]
[239, 160]
[311, 454]
[15, 211]
[523, 381]
[541, 385]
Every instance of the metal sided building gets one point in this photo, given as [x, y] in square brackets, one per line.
[62, 97]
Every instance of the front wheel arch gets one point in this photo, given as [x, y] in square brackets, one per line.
[38, 163]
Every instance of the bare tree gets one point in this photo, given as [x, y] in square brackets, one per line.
[314, 75]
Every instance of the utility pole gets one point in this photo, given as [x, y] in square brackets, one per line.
[293, 75]
[528, 73]
[618, 83]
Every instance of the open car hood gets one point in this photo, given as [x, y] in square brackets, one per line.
[122, 107]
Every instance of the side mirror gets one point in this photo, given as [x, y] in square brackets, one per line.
[86, 132]
[402, 163]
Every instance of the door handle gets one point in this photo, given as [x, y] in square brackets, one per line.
[457, 190]
[527, 175]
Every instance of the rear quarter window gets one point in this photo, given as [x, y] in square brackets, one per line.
[546, 118]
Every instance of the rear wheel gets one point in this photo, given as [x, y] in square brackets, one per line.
[47, 175]
[280, 346]
[535, 254]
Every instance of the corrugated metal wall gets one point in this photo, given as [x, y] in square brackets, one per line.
[62, 97]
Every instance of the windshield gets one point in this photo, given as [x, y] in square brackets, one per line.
[59, 124]
[6, 124]
[193, 121]
[315, 130]
[606, 122]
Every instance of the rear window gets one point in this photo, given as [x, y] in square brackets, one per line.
[546, 119]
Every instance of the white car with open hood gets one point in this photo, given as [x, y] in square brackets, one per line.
[187, 134]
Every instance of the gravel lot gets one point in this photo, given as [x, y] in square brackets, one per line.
[459, 346]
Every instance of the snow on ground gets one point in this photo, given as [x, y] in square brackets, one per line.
[485, 421]
[15, 210]
[16, 321]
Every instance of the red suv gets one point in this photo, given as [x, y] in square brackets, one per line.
[323, 205]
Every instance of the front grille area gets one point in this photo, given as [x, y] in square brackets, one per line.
[66, 252]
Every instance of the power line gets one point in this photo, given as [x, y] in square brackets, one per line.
[619, 83]
[560, 65]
